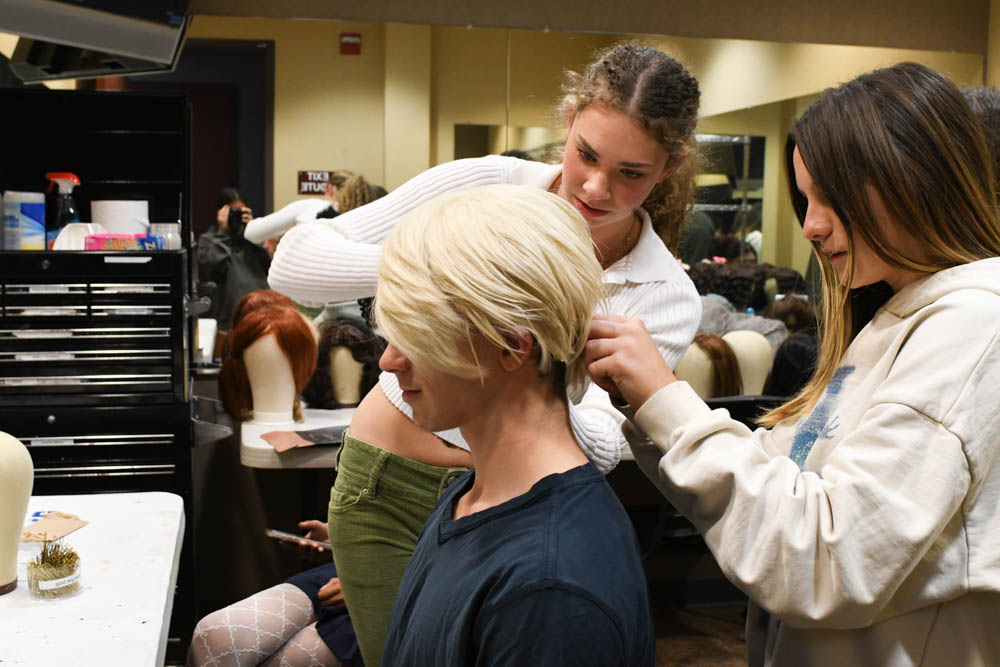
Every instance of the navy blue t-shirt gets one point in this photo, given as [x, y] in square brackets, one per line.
[551, 577]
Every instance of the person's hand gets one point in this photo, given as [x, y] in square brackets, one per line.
[330, 593]
[222, 217]
[315, 530]
[623, 360]
[270, 246]
[247, 215]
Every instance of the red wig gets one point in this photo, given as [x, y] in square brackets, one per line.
[251, 302]
[293, 337]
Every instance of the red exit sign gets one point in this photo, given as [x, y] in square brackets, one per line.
[350, 43]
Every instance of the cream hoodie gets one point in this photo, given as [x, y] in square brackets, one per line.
[869, 532]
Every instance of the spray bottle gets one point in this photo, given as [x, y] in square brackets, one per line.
[63, 210]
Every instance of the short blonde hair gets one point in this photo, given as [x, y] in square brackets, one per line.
[497, 261]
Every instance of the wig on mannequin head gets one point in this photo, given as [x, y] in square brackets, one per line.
[251, 302]
[292, 335]
[793, 365]
[906, 134]
[366, 347]
[656, 91]
[796, 313]
[495, 262]
[710, 367]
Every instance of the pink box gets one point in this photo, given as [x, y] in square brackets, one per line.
[123, 242]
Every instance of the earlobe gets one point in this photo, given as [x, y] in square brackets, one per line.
[511, 361]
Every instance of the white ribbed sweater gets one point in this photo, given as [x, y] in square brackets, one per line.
[337, 260]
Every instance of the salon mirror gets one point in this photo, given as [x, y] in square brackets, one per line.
[419, 94]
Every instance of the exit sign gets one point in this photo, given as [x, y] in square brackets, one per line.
[313, 182]
[350, 44]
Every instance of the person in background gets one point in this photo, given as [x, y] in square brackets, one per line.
[236, 266]
[862, 523]
[267, 229]
[696, 237]
[529, 558]
[301, 622]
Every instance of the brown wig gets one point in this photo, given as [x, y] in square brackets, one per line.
[726, 379]
[293, 337]
[796, 313]
[251, 302]
[907, 134]
[657, 91]
[366, 347]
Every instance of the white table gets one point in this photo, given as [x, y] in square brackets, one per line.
[255, 452]
[129, 554]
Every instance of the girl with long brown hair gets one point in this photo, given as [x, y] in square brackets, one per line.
[862, 524]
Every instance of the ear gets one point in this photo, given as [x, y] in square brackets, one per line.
[673, 164]
[512, 361]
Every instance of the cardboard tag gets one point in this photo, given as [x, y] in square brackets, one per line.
[52, 526]
[282, 441]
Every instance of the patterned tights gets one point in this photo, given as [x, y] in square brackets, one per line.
[276, 627]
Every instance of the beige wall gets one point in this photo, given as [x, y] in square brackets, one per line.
[737, 74]
[470, 78]
[956, 25]
[407, 102]
[992, 77]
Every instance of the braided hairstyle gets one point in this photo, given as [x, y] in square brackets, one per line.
[657, 91]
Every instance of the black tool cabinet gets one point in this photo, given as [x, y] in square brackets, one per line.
[95, 347]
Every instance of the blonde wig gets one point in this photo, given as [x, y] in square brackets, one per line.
[494, 262]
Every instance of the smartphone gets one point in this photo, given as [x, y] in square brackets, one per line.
[296, 539]
[236, 224]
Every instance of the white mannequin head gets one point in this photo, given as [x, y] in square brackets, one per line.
[16, 477]
[754, 355]
[346, 374]
[348, 363]
[272, 385]
[710, 367]
[696, 369]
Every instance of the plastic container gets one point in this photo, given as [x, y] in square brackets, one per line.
[47, 582]
[171, 233]
[23, 220]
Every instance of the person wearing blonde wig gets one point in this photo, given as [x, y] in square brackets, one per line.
[486, 313]
[628, 169]
[863, 523]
